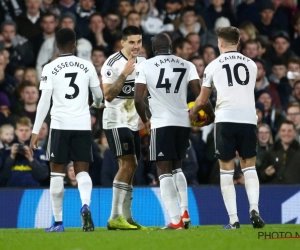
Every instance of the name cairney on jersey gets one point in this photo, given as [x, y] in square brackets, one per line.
[70, 78]
[120, 112]
[167, 78]
[234, 76]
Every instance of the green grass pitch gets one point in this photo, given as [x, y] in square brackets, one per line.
[202, 237]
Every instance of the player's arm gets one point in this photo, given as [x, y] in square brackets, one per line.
[139, 91]
[42, 110]
[112, 90]
[96, 90]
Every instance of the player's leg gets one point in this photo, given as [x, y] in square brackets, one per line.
[121, 143]
[225, 147]
[164, 151]
[57, 151]
[182, 143]
[247, 152]
[126, 208]
[81, 155]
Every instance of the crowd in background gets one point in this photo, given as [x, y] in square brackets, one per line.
[270, 35]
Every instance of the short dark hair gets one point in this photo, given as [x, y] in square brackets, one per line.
[196, 58]
[65, 37]
[95, 14]
[130, 31]
[47, 14]
[188, 9]
[229, 34]
[287, 122]
[99, 48]
[179, 43]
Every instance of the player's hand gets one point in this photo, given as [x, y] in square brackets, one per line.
[270, 170]
[27, 153]
[129, 66]
[148, 126]
[33, 143]
[192, 116]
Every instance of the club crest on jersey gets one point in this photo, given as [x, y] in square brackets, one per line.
[43, 78]
[125, 146]
[108, 73]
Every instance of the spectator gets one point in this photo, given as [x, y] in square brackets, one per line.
[247, 32]
[267, 25]
[124, 8]
[30, 75]
[182, 48]
[265, 141]
[112, 31]
[50, 6]
[279, 71]
[5, 115]
[262, 83]
[296, 36]
[6, 136]
[171, 14]
[98, 58]
[70, 179]
[262, 47]
[28, 23]
[190, 166]
[84, 10]
[49, 23]
[280, 49]
[199, 64]
[296, 92]
[30, 97]
[209, 54]
[272, 117]
[216, 10]
[150, 23]
[189, 24]
[293, 115]
[102, 144]
[281, 163]
[250, 49]
[195, 42]
[281, 14]
[9, 10]
[248, 10]
[20, 168]
[20, 50]
[67, 6]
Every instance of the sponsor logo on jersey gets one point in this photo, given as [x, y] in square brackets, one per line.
[108, 73]
[43, 78]
[127, 89]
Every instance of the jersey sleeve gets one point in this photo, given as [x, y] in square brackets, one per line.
[94, 80]
[107, 74]
[193, 75]
[140, 74]
[46, 80]
[208, 76]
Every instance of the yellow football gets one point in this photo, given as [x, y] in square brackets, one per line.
[202, 116]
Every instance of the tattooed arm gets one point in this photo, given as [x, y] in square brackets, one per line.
[111, 91]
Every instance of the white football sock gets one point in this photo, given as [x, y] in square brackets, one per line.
[57, 194]
[85, 187]
[126, 208]
[252, 187]
[119, 193]
[169, 197]
[228, 193]
[181, 187]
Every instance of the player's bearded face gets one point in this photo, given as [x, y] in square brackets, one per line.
[132, 45]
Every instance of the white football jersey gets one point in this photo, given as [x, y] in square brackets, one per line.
[167, 78]
[234, 76]
[69, 77]
[120, 112]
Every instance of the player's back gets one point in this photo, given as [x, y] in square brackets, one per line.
[167, 79]
[234, 77]
[70, 78]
